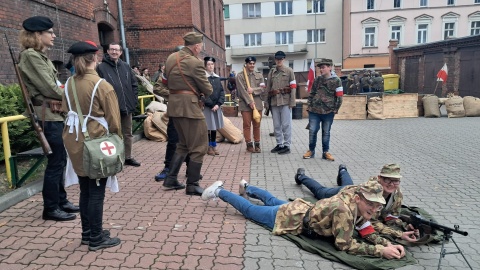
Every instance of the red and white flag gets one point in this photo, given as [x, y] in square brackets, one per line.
[443, 74]
[311, 75]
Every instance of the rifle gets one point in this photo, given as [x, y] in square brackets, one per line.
[29, 105]
[269, 102]
[256, 115]
[421, 223]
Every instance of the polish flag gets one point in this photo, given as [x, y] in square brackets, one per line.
[311, 75]
[443, 74]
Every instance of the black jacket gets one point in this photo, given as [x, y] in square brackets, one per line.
[121, 77]
[218, 95]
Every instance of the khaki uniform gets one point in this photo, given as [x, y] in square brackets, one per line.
[279, 79]
[255, 78]
[183, 105]
[105, 104]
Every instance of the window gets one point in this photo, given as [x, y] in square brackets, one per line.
[283, 8]
[315, 6]
[423, 3]
[370, 4]
[397, 3]
[290, 64]
[422, 31]
[396, 32]
[450, 2]
[449, 30]
[316, 35]
[252, 10]
[226, 12]
[227, 41]
[475, 28]
[251, 40]
[369, 36]
[284, 37]
[477, 1]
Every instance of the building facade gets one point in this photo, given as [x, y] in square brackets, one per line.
[370, 24]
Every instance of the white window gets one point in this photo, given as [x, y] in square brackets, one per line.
[290, 64]
[450, 2]
[423, 3]
[226, 12]
[369, 33]
[477, 1]
[396, 32]
[251, 40]
[315, 6]
[227, 41]
[285, 37]
[422, 33]
[316, 35]
[370, 4]
[283, 8]
[397, 3]
[252, 10]
[449, 30]
[475, 28]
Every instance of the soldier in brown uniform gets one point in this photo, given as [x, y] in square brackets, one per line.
[247, 104]
[185, 75]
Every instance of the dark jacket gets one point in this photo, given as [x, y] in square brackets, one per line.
[218, 95]
[121, 77]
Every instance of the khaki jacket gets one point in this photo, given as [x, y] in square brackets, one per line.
[255, 78]
[105, 104]
[186, 105]
[278, 79]
[40, 78]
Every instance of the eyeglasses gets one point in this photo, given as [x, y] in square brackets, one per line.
[389, 181]
[114, 50]
[377, 206]
[50, 32]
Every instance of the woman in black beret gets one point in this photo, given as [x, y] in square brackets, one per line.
[40, 78]
[107, 114]
[213, 111]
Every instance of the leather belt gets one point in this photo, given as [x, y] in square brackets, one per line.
[37, 102]
[184, 92]
[279, 91]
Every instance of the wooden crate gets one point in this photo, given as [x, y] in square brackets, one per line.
[353, 108]
[230, 111]
[400, 105]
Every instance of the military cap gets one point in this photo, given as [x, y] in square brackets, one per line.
[83, 47]
[37, 24]
[372, 191]
[323, 61]
[280, 55]
[250, 59]
[391, 170]
[192, 38]
[209, 58]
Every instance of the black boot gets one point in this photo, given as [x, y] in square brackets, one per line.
[193, 172]
[102, 241]
[171, 181]
[86, 236]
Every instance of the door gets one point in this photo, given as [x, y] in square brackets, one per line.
[469, 73]
[433, 64]
[410, 82]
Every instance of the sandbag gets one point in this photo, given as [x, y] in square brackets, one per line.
[375, 108]
[472, 106]
[430, 106]
[230, 131]
[159, 123]
[151, 132]
[155, 106]
[455, 107]
[219, 137]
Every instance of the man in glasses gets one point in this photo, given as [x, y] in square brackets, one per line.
[388, 217]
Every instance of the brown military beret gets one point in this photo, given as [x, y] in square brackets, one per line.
[37, 24]
[192, 38]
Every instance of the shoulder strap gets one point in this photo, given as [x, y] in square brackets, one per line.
[83, 122]
[183, 76]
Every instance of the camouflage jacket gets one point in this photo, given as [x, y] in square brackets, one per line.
[335, 217]
[322, 99]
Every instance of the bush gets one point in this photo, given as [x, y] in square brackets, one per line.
[22, 137]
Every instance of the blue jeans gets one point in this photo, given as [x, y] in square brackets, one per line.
[321, 192]
[314, 120]
[91, 204]
[263, 214]
[53, 191]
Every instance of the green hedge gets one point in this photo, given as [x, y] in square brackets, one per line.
[22, 137]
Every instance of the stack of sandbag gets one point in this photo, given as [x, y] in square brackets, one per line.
[219, 137]
[455, 107]
[230, 131]
[375, 108]
[430, 106]
[160, 122]
[156, 106]
[472, 106]
[150, 129]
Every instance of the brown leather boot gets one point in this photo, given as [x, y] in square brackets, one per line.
[250, 147]
[210, 151]
[257, 147]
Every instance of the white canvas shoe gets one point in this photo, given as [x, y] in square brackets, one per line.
[209, 192]
[242, 188]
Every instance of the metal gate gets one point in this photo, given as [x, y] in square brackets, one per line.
[469, 73]
[433, 64]
[410, 82]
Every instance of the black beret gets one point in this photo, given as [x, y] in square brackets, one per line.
[83, 47]
[37, 24]
[250, 59]
[209, 58]
[280, 55]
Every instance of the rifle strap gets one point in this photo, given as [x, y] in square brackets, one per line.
[183, 76]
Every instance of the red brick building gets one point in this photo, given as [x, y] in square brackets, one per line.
[152, 28]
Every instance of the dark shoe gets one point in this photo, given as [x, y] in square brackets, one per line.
[132, 162]
[257, 147]
[339, 177]
[276, 149]
[172, 184]
[194, 190]
[272, 134]
[162, 175]
[86, 236]
[58, 215]
[250, 147]
[70, 208]
[103, 242]
[300, 172]
[285, 150]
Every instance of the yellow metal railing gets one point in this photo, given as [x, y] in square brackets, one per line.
[6, 142]
[141, 99]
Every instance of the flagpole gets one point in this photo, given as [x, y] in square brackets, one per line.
[435, 91]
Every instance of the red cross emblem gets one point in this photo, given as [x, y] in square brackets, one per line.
[108, 148]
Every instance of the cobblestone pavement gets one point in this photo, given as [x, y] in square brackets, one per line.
[169, 230]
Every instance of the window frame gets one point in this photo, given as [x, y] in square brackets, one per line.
[398, 33]
[258, 39]
[246, 10]
[226, 11]
[417, 28]
[374, 35]
[371, 4]
[399, 4]
[424, 5]
[476, 29]
[227, 42]
[476, 1]
[316, 4]
[279, 37]
[287, 9]
[311, 35]
[451, 4]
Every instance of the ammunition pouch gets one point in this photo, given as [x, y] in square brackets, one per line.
[283, 91]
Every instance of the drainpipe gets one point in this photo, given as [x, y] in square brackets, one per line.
[122, 32]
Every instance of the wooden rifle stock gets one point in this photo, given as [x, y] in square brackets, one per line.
[256, 114]
[29, 105]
